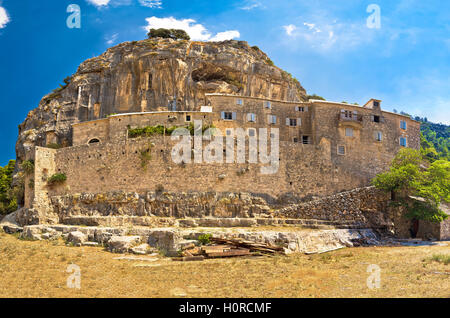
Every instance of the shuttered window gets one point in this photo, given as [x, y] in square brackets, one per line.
[228, 115]
[272, 119]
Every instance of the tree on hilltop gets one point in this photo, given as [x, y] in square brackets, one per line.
[175, 34]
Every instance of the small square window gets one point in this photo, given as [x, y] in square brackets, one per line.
[376, 119]
[229, 131]
[268, 105]
[341, 150]
[251, 132]
[228, 115]
[239, 102]
[188, 118]
[306, 140]
[295, 139]
[292, 122]
[376, 104]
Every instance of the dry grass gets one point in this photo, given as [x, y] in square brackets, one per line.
[38, 269]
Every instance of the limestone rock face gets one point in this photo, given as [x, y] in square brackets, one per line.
[145, 76]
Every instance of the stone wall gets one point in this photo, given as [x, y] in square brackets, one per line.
[365, 206]
[359, 208]
[304, 170]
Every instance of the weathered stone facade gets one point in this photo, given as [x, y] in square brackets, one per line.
[325, 147]
[111, 167]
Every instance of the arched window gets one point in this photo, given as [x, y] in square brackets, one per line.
[94, 141]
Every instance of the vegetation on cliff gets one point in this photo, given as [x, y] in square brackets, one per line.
[8, 201]
[174, 34]
[149, 131]
[435, 141]
[411, 175]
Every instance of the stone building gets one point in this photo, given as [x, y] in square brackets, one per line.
[325, 148]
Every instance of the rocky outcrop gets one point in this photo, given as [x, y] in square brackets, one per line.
[169, 241]
[145, 76]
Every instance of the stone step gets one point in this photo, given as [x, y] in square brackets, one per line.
[117, 221]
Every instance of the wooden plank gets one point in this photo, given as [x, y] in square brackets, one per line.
[193, 258]
[216, 249]
[231, 253]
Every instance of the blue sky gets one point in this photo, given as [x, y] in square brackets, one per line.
[326, 44]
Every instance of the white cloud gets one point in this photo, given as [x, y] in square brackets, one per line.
[290, 29]
[326, 34]
[250, 5]
[111, 39]
[312, 27]
[151, 3]
[196, 31]
[4, 18]
[99, 3]
[227, 35]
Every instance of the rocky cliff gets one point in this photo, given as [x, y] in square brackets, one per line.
[146, 76]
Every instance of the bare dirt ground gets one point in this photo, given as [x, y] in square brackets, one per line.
[39, 269]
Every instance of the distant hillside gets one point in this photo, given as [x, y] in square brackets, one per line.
[436, 139]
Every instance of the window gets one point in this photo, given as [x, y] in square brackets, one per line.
[229, 131]
[346, 114]
[341, 150]
[94, 141]
[349, 132]
[251, 118]
[188, 118]
[376, 119]
[403, 125]
[376, 104]
[295, 139]
[239, 102]
[306, 140]
[403, 142]
[378, 136]
[268, 105]
[251, 132]
[291, 122]
[272, 119]
[228, 115]
[301, 109]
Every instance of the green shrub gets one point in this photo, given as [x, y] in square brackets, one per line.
[160, 130]
[28, 166]
[54, 146]
[57, 178]
[145, 156]
[441, 258]
[175, 34]
[8, 194]
[205, 239]
[314, 96]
